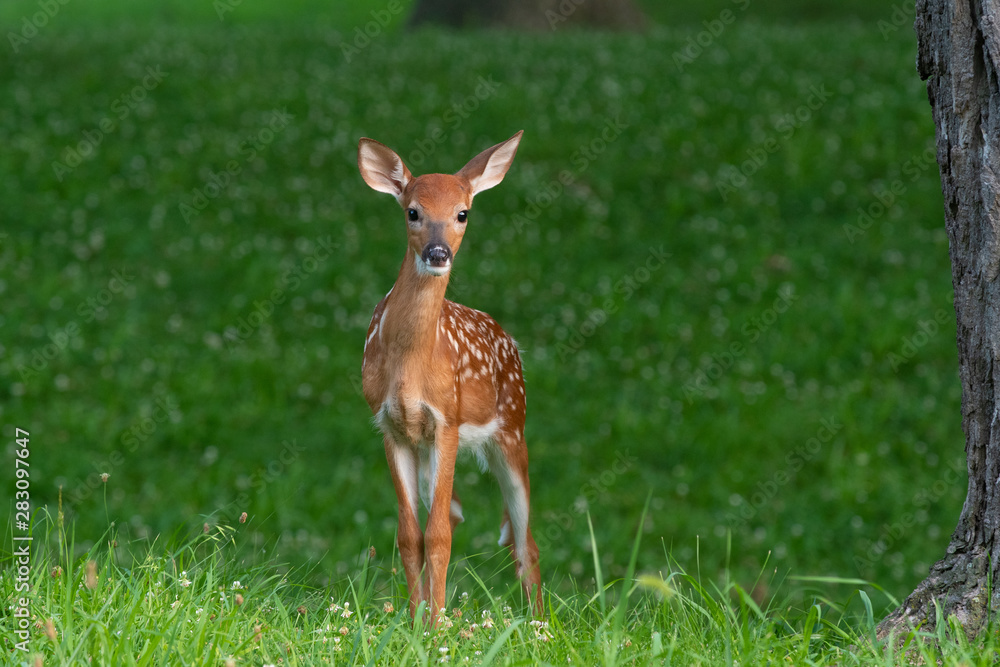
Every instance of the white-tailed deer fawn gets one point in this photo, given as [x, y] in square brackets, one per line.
[440, 377]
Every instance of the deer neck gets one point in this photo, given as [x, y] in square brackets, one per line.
[410, 321]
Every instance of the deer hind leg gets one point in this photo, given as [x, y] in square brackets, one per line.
[511, 471]
[456, 510]
[427, 468]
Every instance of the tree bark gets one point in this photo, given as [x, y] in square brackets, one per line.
[959, 57]
[541, 15]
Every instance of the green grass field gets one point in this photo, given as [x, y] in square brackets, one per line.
[721, 251]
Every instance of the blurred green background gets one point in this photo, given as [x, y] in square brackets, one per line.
[190, 260]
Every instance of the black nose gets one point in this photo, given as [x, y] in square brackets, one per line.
[437, 254]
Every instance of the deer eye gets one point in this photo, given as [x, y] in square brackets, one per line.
[412, 214]
[463, 216]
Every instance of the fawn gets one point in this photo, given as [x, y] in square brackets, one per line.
[440, 377]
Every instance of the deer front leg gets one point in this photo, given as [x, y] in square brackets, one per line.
[404, 466]
[437, 537]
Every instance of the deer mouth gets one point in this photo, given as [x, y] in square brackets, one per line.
[435, 259]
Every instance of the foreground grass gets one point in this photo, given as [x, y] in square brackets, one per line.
[199, 604]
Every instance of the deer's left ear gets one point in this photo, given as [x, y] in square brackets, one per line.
[489, 167]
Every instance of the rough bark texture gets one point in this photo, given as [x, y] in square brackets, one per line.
[959, 57]
[543, 15]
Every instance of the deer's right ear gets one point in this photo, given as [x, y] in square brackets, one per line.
[382, 169]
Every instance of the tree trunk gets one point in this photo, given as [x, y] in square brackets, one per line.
[959, 57]
[544, 15]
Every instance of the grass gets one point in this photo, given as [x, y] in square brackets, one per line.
[740, 304]
[198, 602]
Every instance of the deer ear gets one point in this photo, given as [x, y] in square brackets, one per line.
[489, 167]
[381, 168]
